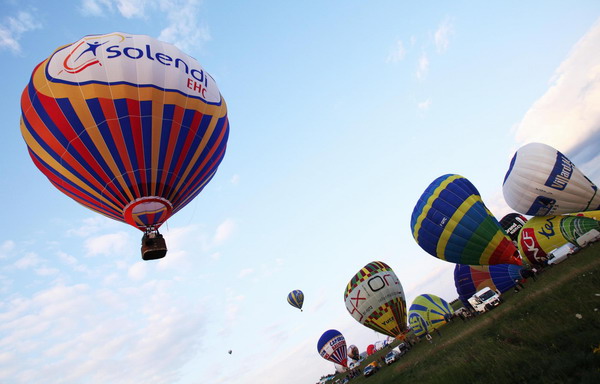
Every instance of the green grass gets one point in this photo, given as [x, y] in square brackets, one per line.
[533, 337]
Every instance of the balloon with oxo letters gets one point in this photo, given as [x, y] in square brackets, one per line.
[375, 298]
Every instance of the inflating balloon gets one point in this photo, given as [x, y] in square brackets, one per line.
[128, 126]
[296, 299]
[541, 181]
[332, 346]
[451, 222]
[542, 234]
[353, 352]
[375, 298]
[371, 349]
[432, 309]
[512, 224]
[470, 279]
[418, 324]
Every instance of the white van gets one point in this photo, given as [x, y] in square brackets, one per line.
[588, 237]
[485, 299]
[560, 254]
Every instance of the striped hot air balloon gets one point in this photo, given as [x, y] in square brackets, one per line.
[296, 299]
[127, 126]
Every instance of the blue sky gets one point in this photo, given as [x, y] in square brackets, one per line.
[341, 114]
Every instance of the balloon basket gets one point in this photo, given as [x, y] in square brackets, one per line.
[153, 246]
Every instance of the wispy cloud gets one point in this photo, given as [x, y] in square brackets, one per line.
[442, 35]
[108, 245]
[569, 112]
[424, 105]
[422, 66]
[224, 231]
[397, 53]
[245, 272]
[13, 27]
[235, 179]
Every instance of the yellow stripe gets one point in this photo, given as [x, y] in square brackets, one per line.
[430, 200]
[452, 223]
[53, 164]
[491, 247]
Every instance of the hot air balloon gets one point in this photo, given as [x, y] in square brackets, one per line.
[375, 298]
[332, 347]
[371, 349]
[432, 309]
[542, 234]
[470, 279]
[296, 299]
[451, 222]
[128, 126]
[512, 224]
[418, 324]
[353, 352]
[541, 181]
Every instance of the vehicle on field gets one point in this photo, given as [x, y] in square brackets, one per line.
[371, 369]
[485, 300]
[588, 238]
[560, 254]
[402, 348]
[392, 357]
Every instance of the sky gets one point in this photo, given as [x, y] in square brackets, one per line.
[341, 113]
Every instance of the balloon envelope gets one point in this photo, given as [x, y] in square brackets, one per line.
[296, 298]
[128, 126]
[542, 181]
[542, 234]
[332, 346]
[512, 224]
[451, 222]
[470, 279]
[353, 352]
[432, 309]
[375, 298]
[370, 349]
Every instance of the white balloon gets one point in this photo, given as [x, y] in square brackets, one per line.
[542, 181]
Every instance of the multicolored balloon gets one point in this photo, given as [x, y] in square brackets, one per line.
[541, 181]
[542, 234]
[428, 312]
[470, 279]
[128, 126]
[451, 222]
[332, 346]
[296, 299]
[512, 224]
[353, 352]
[375, 298]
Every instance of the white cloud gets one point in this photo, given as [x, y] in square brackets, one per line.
[235, 179]
[29, 260]
[138, 270]
[397, 53]
[6, 248]
[224, 231]
[184, 30]
[424, 105]
[216, 256]
[423, 66]
[13, 28]
[108, 245]
[442, 35]
[569, 112]
[245, 272]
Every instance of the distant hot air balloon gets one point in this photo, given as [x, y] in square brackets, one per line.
[375, 298]
[370, 349]
[353, 352]
[470, 279]
[512, 224]
[230, 351]
[541, 181]
[432, 309]
[128, 126]
[296, 299]
[451, 222]
[332, 346]
[542, 234]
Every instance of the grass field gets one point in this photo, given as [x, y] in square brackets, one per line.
[547, 333]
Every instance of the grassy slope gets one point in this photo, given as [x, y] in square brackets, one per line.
[534, 337]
